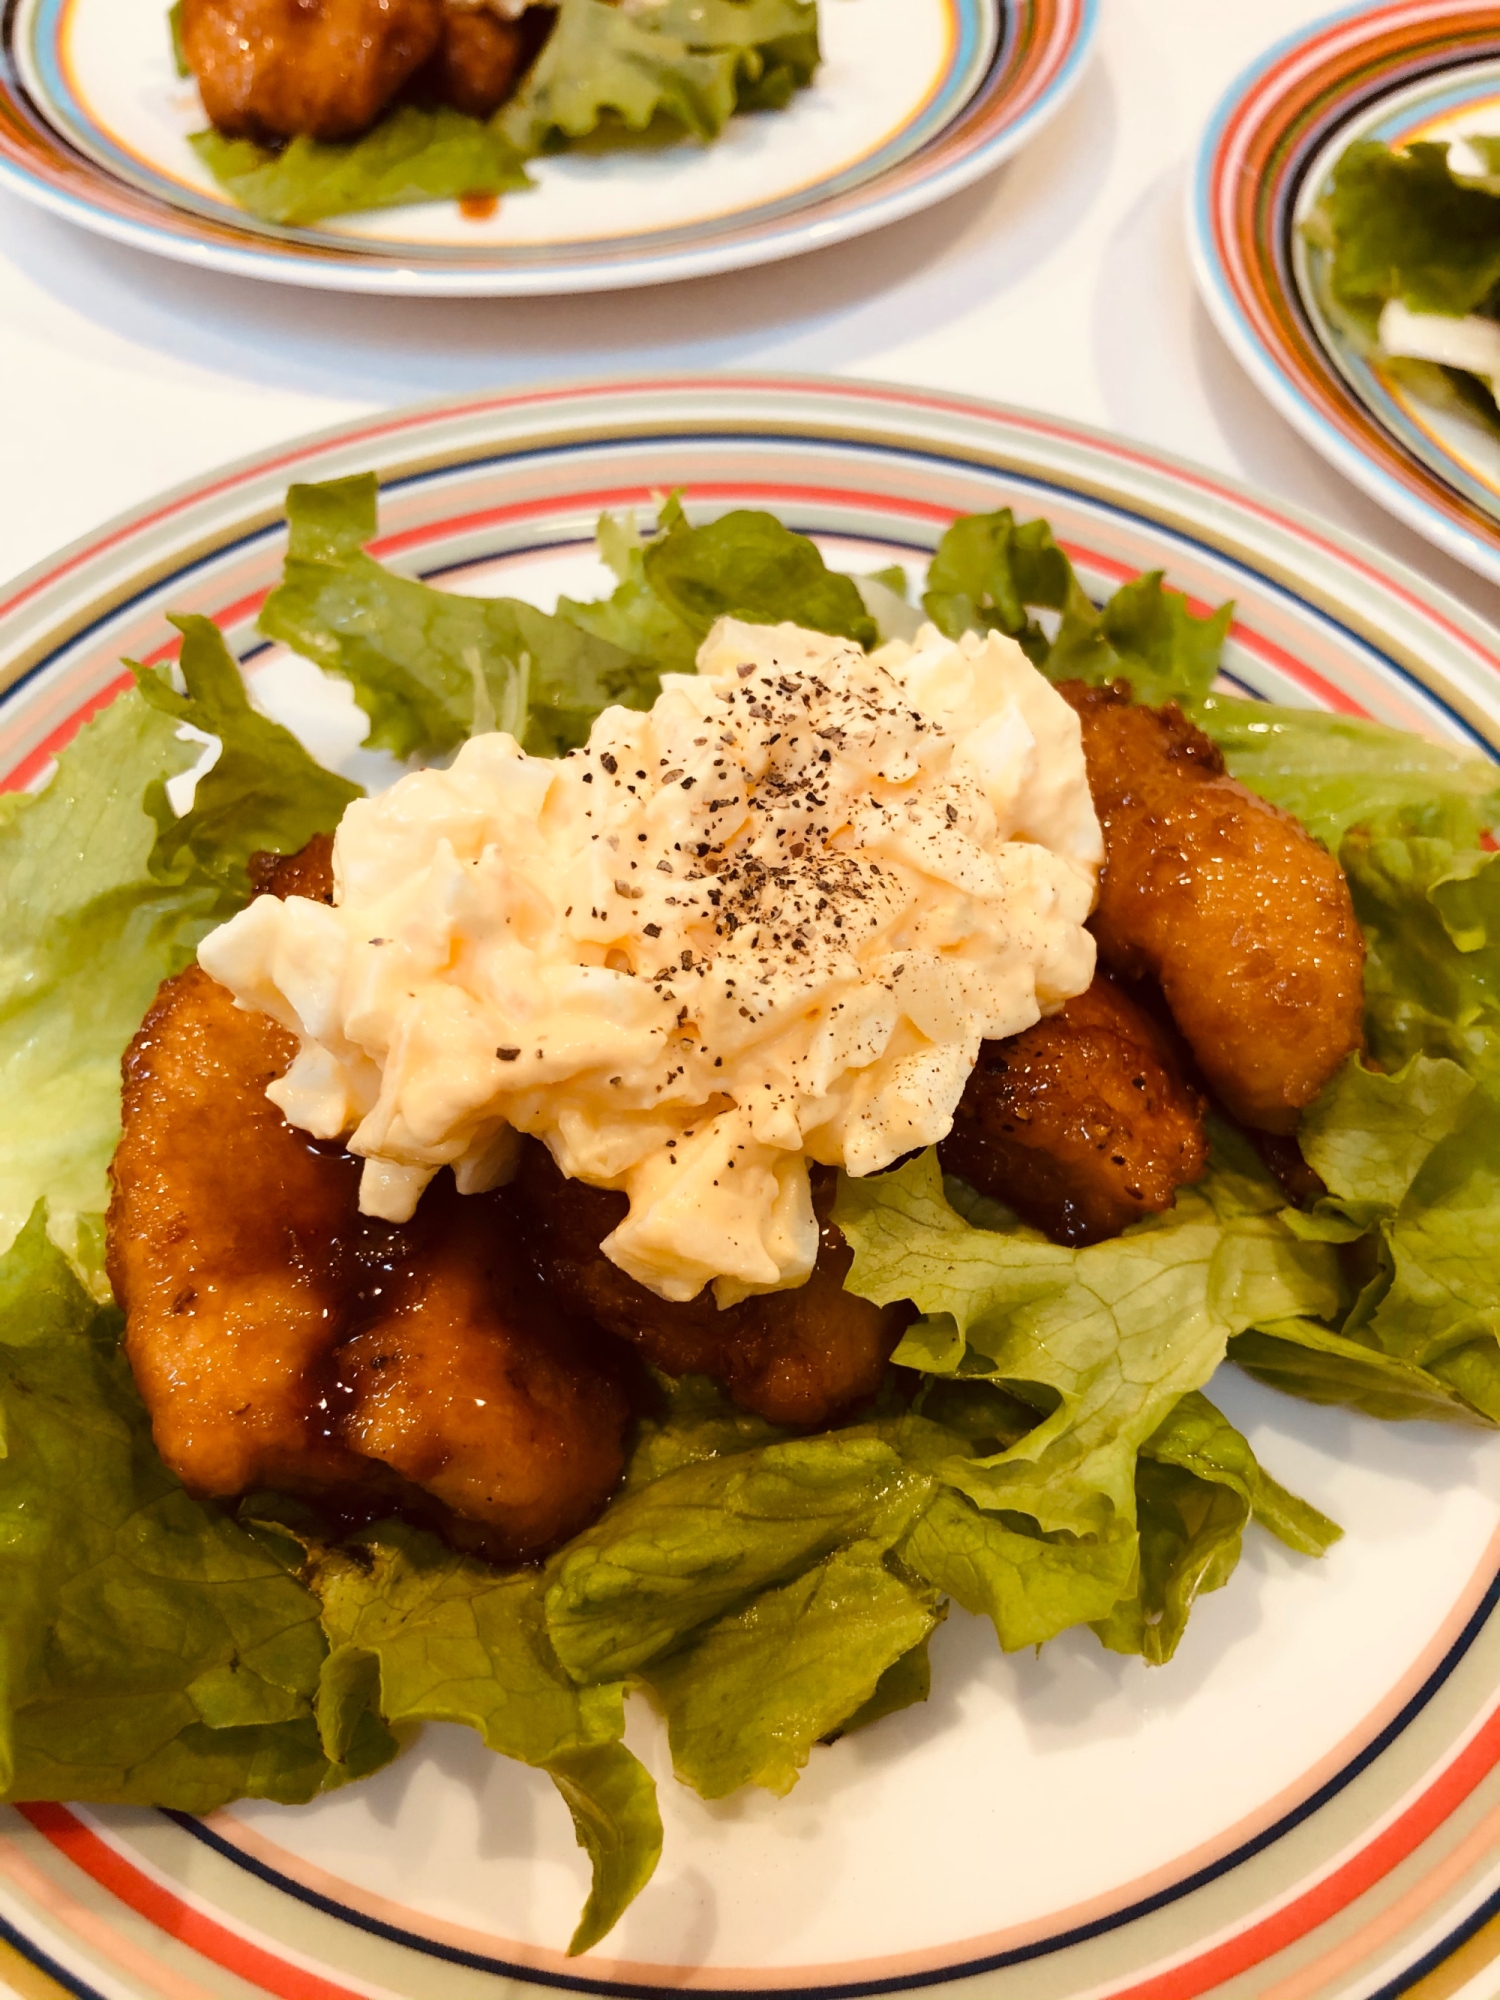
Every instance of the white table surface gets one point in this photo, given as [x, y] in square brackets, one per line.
[1061, 282]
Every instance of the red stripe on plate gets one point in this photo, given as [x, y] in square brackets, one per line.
[853, 391]
[1337, 1890]
[178, 1919]
[172, 1916]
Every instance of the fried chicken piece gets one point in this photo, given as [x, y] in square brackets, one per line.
[1083, 1123]
[1243, 919]
[326, 69]
[794, 1357]
[472, 1384]
[482, 58]
[308, 872]
[280, 1339]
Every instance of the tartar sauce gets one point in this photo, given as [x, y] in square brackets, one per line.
[769, 921]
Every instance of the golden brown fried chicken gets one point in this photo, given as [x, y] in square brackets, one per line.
[274, 69]
[795, 1357]
[281, 1339]
[475, 1386]
[1083, 1123]
[481, 58]
[1243, 919]
[308, 872]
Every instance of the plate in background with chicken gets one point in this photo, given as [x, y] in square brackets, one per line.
[912, 100]
[1425, 445]
[1303, 1803]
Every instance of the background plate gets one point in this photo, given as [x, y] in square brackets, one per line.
[916, 98]
[1304, 1806]
[1393, 73]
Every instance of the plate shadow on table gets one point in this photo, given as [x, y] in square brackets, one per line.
[835, 309]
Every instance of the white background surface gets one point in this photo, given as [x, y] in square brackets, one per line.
[1061, 282]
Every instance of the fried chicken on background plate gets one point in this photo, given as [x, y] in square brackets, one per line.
[327, 69]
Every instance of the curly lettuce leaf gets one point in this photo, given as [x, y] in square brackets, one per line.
[634, 617]
[991, 573]
[1039, 1530]
[746, 1701]
[1111, 1336]
[678, 66]
[1430, 911]
[1335, 772]
[413, 154]
[152, 1650]
[428, 667]
[1198, 1485]
[1411, 1165]
[1306, 1359]
[97, 871]
[702, 1540]
[1147, 635]
[79, 894]
[421, 1634]
[1399, 225]
[263, 789]
[747, 565]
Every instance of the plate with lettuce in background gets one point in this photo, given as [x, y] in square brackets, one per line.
[1267, 1760]
[1349, 251]
[622, 161]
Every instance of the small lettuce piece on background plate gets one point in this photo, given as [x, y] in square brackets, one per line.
[679, 66]
[414, 154]
[1401, 225]
[96, 870]
[153, 1651]
[428, 667]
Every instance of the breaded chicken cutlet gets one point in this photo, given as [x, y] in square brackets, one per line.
[1228, 903]
[281, 1339]
[270, 70]
[1082, 1124]
[796, 1357]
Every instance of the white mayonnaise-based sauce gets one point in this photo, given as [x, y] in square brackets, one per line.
[767, 922]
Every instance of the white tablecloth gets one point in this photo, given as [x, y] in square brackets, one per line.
[1061, 282]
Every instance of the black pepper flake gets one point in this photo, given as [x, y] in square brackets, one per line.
[508, 1055]
[653, 930]
[608, 762]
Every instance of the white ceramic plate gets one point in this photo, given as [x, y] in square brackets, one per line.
[915, 99]
[1403, 71]
[1305, 1805]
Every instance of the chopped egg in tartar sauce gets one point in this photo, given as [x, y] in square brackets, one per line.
[768, 921]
